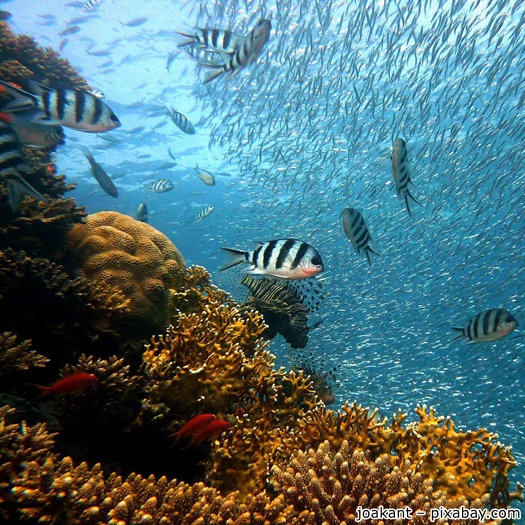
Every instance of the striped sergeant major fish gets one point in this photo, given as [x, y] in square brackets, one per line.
[31, 134]
[356, 230]
[401, 171]
[489, 325]
[214, 40]
[281, 258]
[180, 121]
[245, 54]
[91, 4]
[11, 164]
[203, 213]
[100, 174]
[207, 58]
[74, 108]
[161, 186]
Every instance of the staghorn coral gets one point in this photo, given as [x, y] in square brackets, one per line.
[464, 463]
[332, 484]
[19, 356]
[116, 250]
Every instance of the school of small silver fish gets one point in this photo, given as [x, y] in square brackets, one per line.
[409, 113]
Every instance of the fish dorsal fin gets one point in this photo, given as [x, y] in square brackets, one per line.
[258, 244]
[36, 88]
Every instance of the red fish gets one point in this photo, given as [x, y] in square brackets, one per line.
[213, 428]
[75, 382]
[193, 425]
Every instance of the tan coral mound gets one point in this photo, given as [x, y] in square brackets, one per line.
[118, 251]
[332, 485]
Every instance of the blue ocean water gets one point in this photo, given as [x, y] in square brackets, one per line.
[298, 136]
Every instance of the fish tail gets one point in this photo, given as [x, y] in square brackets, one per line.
[236, 257]
[42, 390]
[17, 187]
[460, 333]
[191, 39]
[368, 252]
[407, 196]
[21, 99]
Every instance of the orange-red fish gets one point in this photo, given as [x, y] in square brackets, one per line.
[213, 428]
[193, 425]
[75, 382]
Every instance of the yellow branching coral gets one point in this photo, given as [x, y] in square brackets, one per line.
[18, 356]
[333, 482]
[118, 251]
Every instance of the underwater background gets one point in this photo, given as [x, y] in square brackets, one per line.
[298, 136]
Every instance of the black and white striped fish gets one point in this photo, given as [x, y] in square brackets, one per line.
[207, 58]
[180, 121]
[161, 186]
[401, 171]
[76, 109]
[489, 325]
[356, 230]
[282, 258]
[91, 4]
[245, 54]
[12, 163]
[215, 40]
[203, 213]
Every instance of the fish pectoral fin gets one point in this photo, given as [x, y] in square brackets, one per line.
[214, 75]
[384, 163]
[460, 333]
[253, 271]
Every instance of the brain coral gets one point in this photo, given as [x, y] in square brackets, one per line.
[116, 250]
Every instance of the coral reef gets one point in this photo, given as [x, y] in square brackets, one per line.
[115, 250]
[332, 484]
[18, 356]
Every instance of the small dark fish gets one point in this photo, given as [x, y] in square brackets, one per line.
[171, 57]
[100, 53]
[356, 230]
[489, 325]
[161, 186]
[5, 15]
[167, 166]
[75, 4]
[70, 30]
[47, 16]
[401, 172]
[63, 44]
[80, 20]
[76, 109]
[100, 175]
[171, 154]
[142, 213]
[181, 121]
[203, 213]
[281, 258]
[135, 22]
[205, 176]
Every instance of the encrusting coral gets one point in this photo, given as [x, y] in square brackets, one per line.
[115, 250]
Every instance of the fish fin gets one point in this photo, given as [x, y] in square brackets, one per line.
[460, 333]
[368, 251]
[192, 40]
[409, 195]
[214, 75]
[236, 257]
[42, 390]
[21, 99]
[17, 187]
[254, 271]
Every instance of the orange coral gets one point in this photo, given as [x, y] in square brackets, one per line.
[118, 251]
